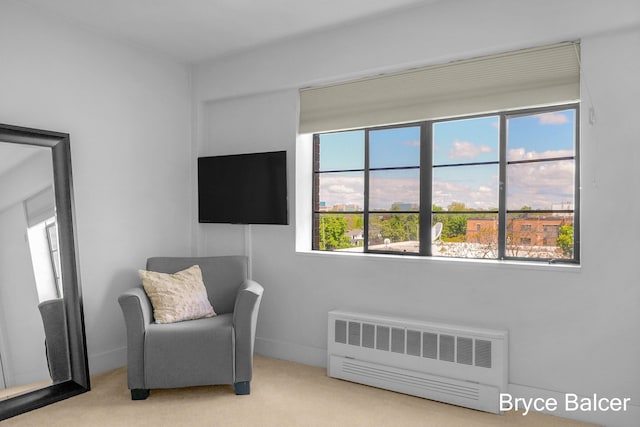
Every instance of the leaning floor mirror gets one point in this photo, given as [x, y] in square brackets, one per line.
[43, 357]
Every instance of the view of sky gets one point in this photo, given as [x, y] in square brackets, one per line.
[456, 143]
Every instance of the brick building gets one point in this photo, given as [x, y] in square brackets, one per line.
[528, 231]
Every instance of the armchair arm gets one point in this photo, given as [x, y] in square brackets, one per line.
[138, 313]
[245, 317]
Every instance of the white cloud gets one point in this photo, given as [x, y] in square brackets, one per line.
[540, 185]
[473, 194]
[387, 191]
[384, 191]
[467, 150]
[521, 154]
[342, 189]
[552, 118]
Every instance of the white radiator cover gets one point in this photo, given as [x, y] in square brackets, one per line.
[460, 365]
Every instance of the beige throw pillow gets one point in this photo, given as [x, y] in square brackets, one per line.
[178, 296]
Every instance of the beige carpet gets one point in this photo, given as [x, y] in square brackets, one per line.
[10, 392]
[283, 394]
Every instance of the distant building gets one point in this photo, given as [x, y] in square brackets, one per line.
[345, 208]
[482, 230]
[401, 206]
[526, 231]
[356, 236]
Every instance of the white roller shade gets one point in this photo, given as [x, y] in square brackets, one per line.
[537, 76]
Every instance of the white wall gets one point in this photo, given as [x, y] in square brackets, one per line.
[128, 115]
[572, 330]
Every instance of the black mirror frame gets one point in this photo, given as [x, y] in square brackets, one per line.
[63, 186]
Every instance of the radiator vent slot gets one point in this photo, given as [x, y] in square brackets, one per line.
[464, 351]
[368, 335]
[431, 345]
[341, 331]
[460, 365]
[354, 333]
[447, 347]
[382, 337]
[483, 353]
[413, 343]
[397, 340]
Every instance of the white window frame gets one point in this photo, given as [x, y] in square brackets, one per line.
[305, 151]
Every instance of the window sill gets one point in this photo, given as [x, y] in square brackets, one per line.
[471, 263]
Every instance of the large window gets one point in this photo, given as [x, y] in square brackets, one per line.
[45, 257]
[499, 186]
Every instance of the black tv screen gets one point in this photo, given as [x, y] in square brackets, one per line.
[243, 188]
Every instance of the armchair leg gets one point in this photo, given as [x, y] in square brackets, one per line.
[139, 393]
[242, 387]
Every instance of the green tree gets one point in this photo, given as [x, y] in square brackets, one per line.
[393, 229]
[400, 227]
[412, 225]
[457, 206]
[457, 226]
[565, 240]
[333, 235]
[354, 221]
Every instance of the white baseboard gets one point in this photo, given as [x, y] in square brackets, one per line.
[107, 361]
[113, 359]
[628, 418]
[294, 352]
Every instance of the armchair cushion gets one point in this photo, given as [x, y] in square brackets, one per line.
[178, 296]
[192, 353]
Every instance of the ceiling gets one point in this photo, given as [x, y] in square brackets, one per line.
[197, 30]
[13, 154]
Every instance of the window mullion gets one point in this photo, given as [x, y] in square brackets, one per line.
[576, 187]
[315, 197]
[426, 193]
[502, 190]
[365, 218]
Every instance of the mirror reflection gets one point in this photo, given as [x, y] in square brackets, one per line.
[33, 339]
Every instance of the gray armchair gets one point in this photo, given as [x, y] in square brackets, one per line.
[56, 341]
[216, 350]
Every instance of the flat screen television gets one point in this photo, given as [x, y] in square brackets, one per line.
[243, 188]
